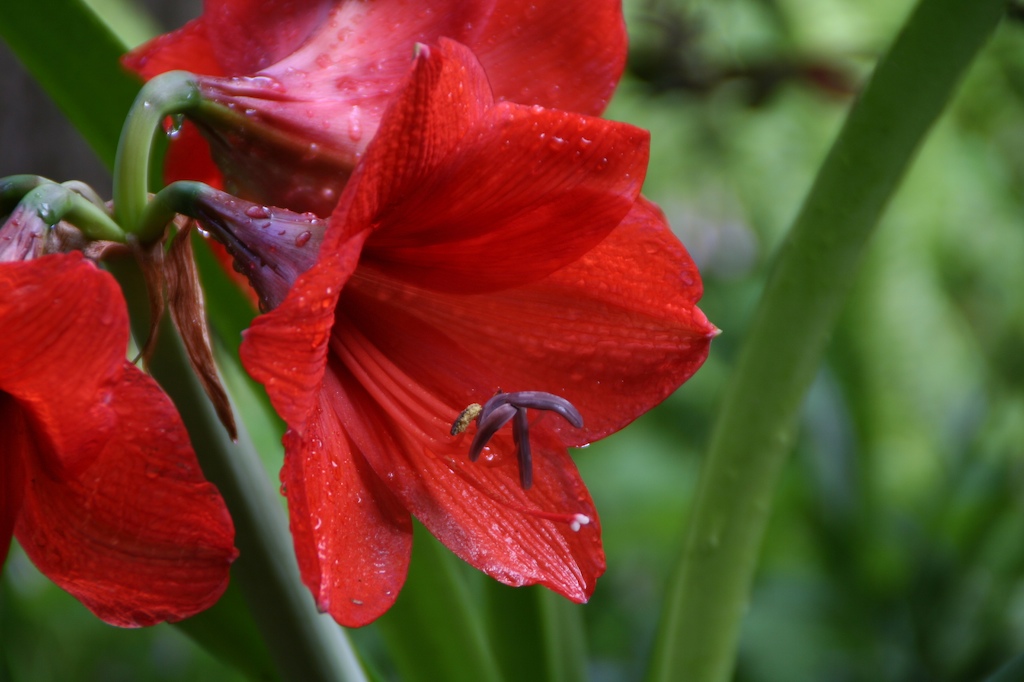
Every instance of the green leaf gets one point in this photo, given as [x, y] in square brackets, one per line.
[127, 20]
[1011, 672]
[536, 634]
[74, 56]
[228, 631]
[807, 288]
[423, 649]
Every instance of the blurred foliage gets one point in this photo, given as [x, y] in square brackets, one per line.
[895, 551]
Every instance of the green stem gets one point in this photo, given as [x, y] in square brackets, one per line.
[13, 189]
[174, 92]
[422, 650]
[305, 645]
[177, 198]
[55, 203]
[806, 289]
[79, 187]
[1011, 672]
[565, 640]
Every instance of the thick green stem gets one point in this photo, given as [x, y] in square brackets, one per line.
[305, 645]
[13, 189]
[177, 198]
[174, 92]
[804, 294]
[55, 203]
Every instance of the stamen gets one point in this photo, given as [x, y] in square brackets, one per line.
[578, 521]
[497, 412]
[538, 400]
[521, 437]
[461, 422]
[487, 426]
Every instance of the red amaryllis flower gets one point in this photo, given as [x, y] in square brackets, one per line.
[485, 253]
[307, 82]
[98, 481]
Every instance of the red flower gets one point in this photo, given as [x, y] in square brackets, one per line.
[308, 81]
[479, 247]
[98, 481]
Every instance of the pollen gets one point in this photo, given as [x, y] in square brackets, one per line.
[461, 422]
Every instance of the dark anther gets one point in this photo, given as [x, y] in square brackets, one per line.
[487, 426]
[521, 437]
[505, 407]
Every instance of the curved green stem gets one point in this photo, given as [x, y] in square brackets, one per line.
[170, 93]
[79, 187]
[13, 189]
[177, 198]
[813, 272]
[55, 203]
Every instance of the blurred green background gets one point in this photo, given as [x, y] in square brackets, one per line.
[896, 547]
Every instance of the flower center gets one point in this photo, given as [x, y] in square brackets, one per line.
[505, 407]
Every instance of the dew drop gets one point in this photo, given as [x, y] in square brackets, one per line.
[355, 128]
[174, 130]
[303, 238]
[257, 212]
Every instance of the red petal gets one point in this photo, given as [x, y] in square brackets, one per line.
[421, 127]
[187, 49]
[138, 536]
[65, 335]
[562, 54]
[12, 470]
[614, 332]
[443, 98]
[477, 509]
[286, 349]
[188, 158]
[352, 538]
[526, 191]
[248, 36]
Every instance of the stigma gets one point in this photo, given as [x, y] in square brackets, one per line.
[493, 415]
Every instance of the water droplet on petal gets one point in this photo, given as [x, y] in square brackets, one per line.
[257, 212]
